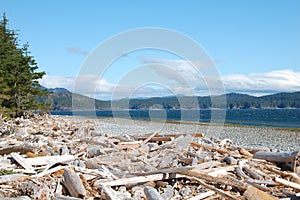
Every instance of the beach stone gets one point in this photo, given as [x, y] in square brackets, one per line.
[185, 191]
[161, 183]
[168, 192]
[65, 150]
[93, 151]
[152, 194]
[167, 161]
[122, 193]
[230, 160]
[138, 193]
[152, 145]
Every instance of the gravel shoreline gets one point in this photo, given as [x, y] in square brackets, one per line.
[274, 139]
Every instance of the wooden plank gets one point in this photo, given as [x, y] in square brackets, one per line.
[23, 162]
[213, 149]
[45, 160]
[140, 179]
[211, 187]
[287, 183]
[202, 195]
[150, 137]
[49, 171]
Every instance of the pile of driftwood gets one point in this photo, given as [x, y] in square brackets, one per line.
[48, 157]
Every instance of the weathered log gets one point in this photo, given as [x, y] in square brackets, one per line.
[73, 184]
[22, 161]
[180, 169]
[253, 193]
[45, 160]
[139, 179]
[287, 161]
[17, 198]
[203, 195]
[213, 149]
[287, 183]
[220, 180]
[61, 197]
[245, 153]
[150, 137]
[17, 148]
[12, 178]
[221, 192]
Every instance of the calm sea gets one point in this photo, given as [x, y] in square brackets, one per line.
[285, 118]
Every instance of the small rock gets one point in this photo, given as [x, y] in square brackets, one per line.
[169, 192]
[230, 160]
[152, 194]
[185, 192]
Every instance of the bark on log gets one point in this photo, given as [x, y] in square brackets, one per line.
[289, 161]
[253, 193]
[22, 149]
[73, 184]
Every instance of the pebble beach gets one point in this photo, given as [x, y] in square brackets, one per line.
[63, 157]
[273, 139]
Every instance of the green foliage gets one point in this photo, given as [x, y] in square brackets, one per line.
[19, 85]
[6, 172]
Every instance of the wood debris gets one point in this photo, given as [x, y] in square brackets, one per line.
[51, 157]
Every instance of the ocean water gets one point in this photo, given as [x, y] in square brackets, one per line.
[283, 118]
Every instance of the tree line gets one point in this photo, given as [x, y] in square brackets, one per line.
[19, 86]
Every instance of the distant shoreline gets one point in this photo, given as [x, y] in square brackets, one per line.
[274, 118]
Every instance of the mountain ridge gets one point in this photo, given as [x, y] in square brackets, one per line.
[63, 99]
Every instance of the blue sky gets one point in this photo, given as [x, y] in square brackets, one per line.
[254, 44]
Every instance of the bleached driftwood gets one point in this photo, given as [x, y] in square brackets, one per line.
[139, 179]
[203, 195]
[287, 183]
[46, 160]
[253, 193]
[221, 192]
[17, 148]
[24, 163]
[290, 160]
[12, 178]
[73, 184]
[49, 171]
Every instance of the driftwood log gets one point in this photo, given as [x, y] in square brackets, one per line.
[73, 184]
[286, 161]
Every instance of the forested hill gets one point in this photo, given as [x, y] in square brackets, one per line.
[61, 99]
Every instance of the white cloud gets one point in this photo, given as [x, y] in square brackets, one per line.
[254, 84]
[261, 83]
[58, 82]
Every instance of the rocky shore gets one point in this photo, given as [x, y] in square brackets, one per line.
[58, 157]
[274, 139]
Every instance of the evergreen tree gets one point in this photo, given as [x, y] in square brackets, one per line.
[19, 85]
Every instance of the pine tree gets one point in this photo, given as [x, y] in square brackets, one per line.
[19, 85]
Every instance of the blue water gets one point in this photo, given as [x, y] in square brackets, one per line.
[285, 118]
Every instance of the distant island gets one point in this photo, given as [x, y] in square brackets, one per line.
[61, 100]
